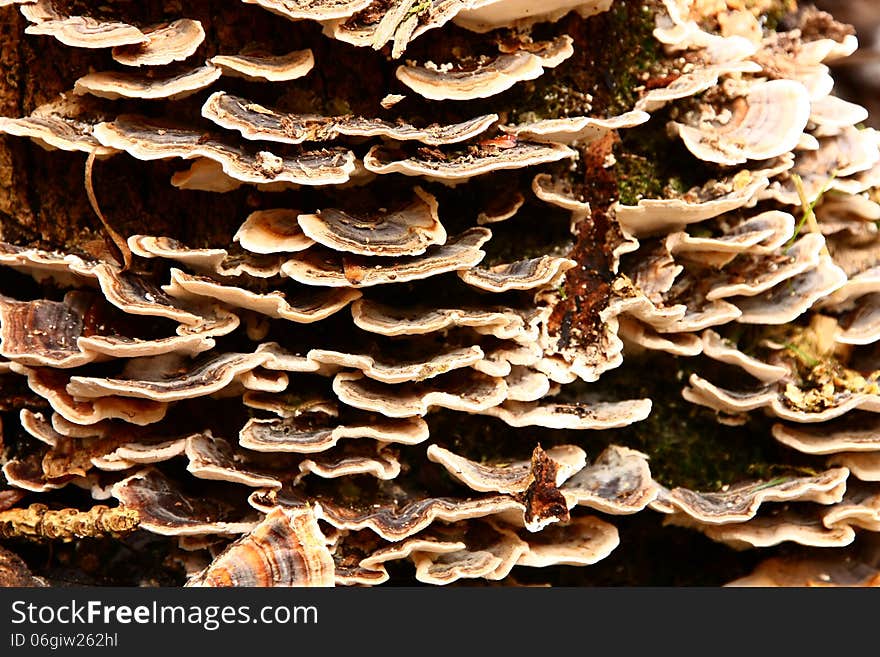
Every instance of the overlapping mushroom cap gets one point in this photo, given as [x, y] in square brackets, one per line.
[396, 350]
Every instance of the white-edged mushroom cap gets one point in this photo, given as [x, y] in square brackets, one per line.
[166, 43]
[450, 82]
[765, 123]
[266, 68]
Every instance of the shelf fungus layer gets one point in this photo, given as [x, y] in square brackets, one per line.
[353, 292]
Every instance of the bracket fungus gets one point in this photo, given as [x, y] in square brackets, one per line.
[478, 303]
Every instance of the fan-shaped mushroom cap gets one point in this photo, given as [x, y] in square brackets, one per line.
[306, 306]
[166, 43]
[148, 139]
[491, 552]
[830, 114]
[820, 571]
[268, 68]
[272, 231]
[750, 275]
[65, 124]
[512, 477]
[863, 465]
[617, 482]
[579, 542]
[165, 509]
[333, 270]
[740, 502]
[458, 166]
[579, 129]
[521, 275]
[503, 323]
[353, 459]
[635, 332]
[118, 84]
[653, 215]
[166, 378]
[43, 332]
[717, 348]
[854, 433]
[306, 434]
[51, 385]
[762, 234]
[579, 415]
[407, 231]
[864, 322]
[487, 15]
[797, 526]
[286, 548]
[256, 122]
[79, 31]
[483, 80]
[319, 10]
[148, 246]
[764, 124]
[396, 513]
[788, 301]
[791, 404]
[558, 192]
[465, 390]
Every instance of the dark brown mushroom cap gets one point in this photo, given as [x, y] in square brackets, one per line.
[14, 571]
[44, 332]
[166, 509]
[286, 548]
[406, 231]
[314, 267]
[266, 68]
[165, 43]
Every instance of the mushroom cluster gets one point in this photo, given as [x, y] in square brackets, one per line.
[398, 348]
